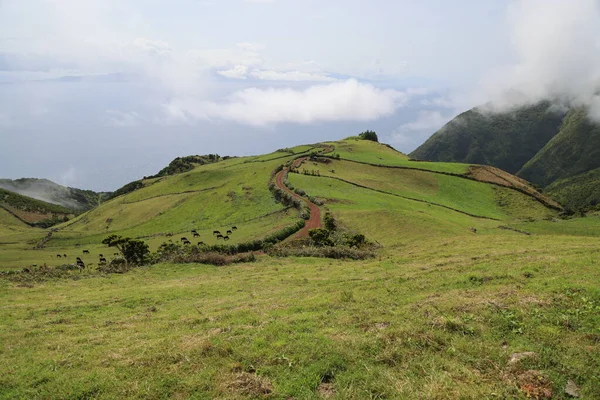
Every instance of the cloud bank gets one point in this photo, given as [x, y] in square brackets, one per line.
[557, 46]
[339, 101]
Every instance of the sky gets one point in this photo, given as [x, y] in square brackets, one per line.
[97, 93]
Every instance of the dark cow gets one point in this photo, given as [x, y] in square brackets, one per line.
[80, 263]
[200, 243]
[194, 231]
[58, 255]
[86, 252]
[234, 228]
[216, 233]
[219, 236]
[473, 230]
[102, 261]
[169, 234]
[115, 254]
[187, 242]
[196, 234]
[184, 239]
[64, 255]
[228, 233]
[225, 237]
[100, 255]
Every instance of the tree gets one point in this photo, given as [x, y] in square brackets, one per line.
[369, 135]
[133, 251]
[320, 237]
[329, 222]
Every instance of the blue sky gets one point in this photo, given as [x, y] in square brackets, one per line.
[96, 93]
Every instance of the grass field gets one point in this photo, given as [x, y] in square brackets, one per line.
[438, 319]
[438, 313]
[365, 151]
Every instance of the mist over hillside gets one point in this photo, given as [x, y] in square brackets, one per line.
[48, 191]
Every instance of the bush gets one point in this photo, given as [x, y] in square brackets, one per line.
[336, 252]
[369, 135]
[320, 237]
[134, 251]
[329, 222]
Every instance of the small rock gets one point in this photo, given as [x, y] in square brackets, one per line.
[516, 357]
[571, 389]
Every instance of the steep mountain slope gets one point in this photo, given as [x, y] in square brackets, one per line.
[535, 143]
[48, 191]
[574, 150]
[506, 140]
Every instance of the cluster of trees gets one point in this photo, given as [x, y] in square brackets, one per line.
[368, 135]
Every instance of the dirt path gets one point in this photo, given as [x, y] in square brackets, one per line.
[315, 212]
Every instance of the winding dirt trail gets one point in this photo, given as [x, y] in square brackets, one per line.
[315, 212]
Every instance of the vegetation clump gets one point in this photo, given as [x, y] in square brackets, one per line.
[368, 135]
[134, 251]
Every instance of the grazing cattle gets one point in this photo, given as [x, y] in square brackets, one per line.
[200, 243]
[473, 230]
[169, 234]
[86, 252]
[80, 263]
[225, 237]
[58, 255]
[234, 228]
[102, 261]
[194, 231]
[228, 233]
[183, 239]
[100, 255]
[64, 255]
[196, 234]
[216, 233]
[115, 254]
[219, 236]
[187, 242]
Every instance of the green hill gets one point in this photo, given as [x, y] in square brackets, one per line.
[574, 150]
[505, 140]
[535, 143]
[31, 211]
[42, 189]
[464, 269]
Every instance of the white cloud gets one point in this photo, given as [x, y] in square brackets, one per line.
[123, 119]
[338, 101]
[237, 72]
[290, 76]
[426, 123]
[558, 51]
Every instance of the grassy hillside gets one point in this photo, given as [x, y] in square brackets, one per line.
[577, 192]
[573, 151]
[466, 274]
[32, 211]
[504, 140]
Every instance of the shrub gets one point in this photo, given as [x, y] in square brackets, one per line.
[133, 251]
[369, 135]
[336, 252]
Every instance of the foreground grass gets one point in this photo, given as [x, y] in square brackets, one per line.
[438, 319]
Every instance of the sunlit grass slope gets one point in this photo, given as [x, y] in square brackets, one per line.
[435, 319]
[211, 197]
[477, 198]
[366, 151]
